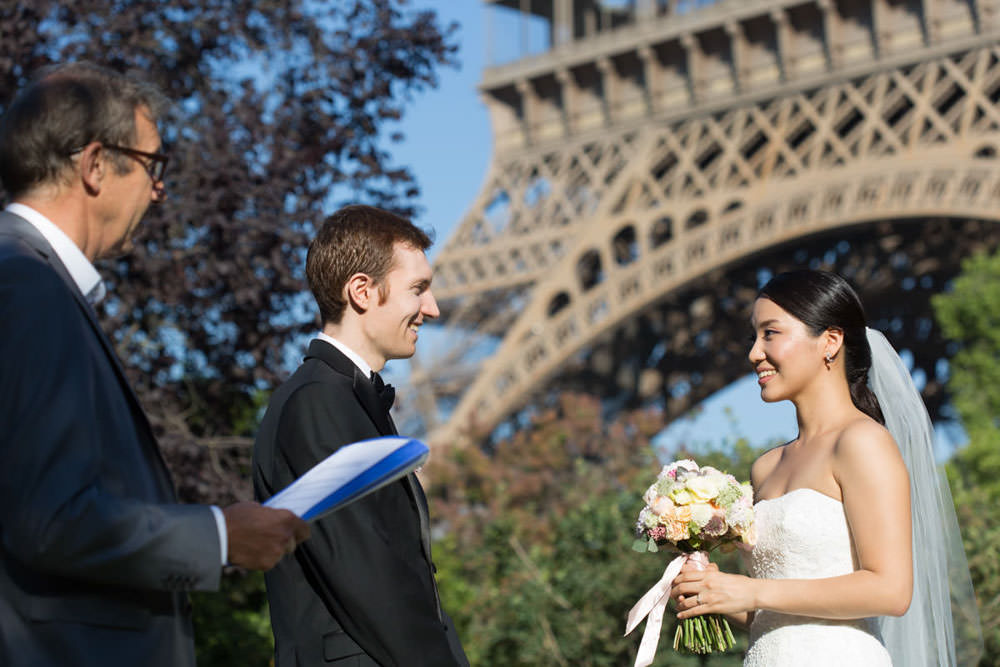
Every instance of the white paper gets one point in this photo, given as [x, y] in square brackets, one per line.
[348, 474]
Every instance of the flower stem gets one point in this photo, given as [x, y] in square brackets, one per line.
[703, 634]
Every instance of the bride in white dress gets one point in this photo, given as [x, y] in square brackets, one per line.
[834, 556]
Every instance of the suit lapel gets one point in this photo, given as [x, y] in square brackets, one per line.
[19, 228]
[27, 233]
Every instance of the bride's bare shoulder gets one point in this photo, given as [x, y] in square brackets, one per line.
[862, 443]
[762, 467]
[864, 433]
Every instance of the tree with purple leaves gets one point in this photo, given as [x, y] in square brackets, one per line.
[282, 110]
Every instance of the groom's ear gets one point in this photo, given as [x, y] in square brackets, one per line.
[358, 292]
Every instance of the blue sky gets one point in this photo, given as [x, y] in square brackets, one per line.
[448, 140]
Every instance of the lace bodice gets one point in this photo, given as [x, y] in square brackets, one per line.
[804, 535]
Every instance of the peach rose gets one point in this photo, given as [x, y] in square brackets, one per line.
[677, 531]
[682, 514]
[663, 507]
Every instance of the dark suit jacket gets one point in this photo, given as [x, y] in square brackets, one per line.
[361, 590]
[93, 548]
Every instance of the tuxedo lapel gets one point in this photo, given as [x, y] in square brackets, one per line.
[420, 500]
[363, 388]
[368, 397]
[25, 231]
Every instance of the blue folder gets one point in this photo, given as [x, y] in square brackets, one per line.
[348, 474]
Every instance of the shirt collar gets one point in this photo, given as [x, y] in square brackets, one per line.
[348, 352]
[83, 273]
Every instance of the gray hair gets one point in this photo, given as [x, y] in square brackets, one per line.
[62, 110]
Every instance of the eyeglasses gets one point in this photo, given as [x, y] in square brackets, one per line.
[156, 165]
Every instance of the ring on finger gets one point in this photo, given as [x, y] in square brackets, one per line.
[697, 599]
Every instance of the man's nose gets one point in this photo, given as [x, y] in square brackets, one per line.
[430, 306]
[159, 193]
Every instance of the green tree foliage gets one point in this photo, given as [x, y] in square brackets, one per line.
[969, 315]
[232, 626]
[536, 565]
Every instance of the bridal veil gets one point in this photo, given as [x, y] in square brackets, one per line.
[941, 626]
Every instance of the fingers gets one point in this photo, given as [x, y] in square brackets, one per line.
[692, 566]
[296, 531]
[301, 529]
[686, 590]
[685, 602]
[715, 593]
[697, 610]
[261, 536]
[693, 574]
[694, 605]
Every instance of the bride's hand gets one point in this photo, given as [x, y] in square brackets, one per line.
[689, 566]
[710, 591]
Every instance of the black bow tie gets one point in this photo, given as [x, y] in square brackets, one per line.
[386, 392]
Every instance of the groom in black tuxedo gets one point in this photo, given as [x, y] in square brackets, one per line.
[362, 590]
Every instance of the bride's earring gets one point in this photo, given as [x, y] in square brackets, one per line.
[829, 360]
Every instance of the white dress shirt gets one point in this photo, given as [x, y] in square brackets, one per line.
[83, 273]
[348, 352]
[89, 282]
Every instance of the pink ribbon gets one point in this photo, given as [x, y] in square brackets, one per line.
[654, 603]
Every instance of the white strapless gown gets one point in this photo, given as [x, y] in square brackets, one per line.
[804, 535]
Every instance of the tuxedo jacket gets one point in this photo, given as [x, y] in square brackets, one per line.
[361, 589]
[94, 551]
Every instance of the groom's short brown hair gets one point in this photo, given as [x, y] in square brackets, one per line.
[355, 239]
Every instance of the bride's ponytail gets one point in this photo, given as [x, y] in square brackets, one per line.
[857, 363]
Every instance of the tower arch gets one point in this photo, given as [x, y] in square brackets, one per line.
[640, 158]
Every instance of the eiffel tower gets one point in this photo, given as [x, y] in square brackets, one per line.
[660, 159]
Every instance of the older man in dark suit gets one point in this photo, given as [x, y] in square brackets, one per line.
[95, 554]
[362, 590]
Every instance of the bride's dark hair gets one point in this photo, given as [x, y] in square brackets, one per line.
[823, 300]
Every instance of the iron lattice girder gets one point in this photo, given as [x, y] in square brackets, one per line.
[694, 341]
[571, 239]
[889, 113]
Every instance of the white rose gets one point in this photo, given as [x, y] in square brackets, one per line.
[740, 517]
[680, 496]
[701, 513]
[703, 489]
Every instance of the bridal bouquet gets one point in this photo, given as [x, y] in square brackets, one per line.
[691, 510]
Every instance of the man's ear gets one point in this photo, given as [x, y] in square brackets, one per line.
[358, 291]
[93, 167]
